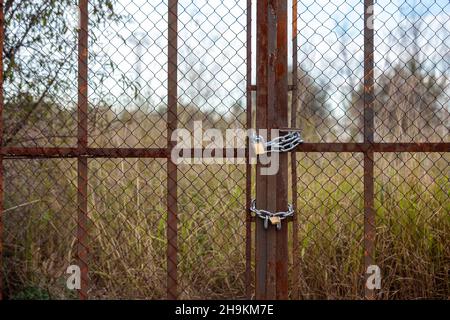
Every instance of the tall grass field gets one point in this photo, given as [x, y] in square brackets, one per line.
[127, 230]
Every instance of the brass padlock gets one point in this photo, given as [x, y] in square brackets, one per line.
[259, 146]
[275, 220]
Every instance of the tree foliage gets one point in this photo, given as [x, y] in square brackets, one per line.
[409, 104]
[313, 115]
[40, 55]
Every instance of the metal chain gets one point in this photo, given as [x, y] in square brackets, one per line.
[267, 215]
[284, 143]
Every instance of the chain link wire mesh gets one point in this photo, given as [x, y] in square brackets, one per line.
[127, 210]
[146, 240]
[328, 251]
[412, 89]
[412, 202]
[411, 92]
[39, 71]
[330, 45]
[39, 239]
[128, 76]
[212, 232]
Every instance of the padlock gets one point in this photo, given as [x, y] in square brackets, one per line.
[275, 220]
[258, 145]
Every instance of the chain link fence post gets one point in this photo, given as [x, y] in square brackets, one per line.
[272, 113]
[2, 34]
[369, 99]
[82, 222]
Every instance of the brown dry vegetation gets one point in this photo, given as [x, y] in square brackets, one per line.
[127, 211]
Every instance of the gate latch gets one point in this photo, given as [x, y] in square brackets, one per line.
[274, 218]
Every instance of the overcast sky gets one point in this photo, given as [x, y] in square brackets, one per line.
[212, 48]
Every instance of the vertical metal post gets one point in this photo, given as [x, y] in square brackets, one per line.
[82, 221]
[280, 120]
[172, 195]
[272, 113]
[295, 245]
[2, 39]
[261, 122]
[369, 98]
[1, 227]
[248, 167]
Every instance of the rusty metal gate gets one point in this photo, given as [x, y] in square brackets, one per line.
[86, 167]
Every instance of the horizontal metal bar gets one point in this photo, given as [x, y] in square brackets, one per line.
[375, 147]
[411, 147]
[291, 87]
[50, 152]
[36, 152]
[25, 152]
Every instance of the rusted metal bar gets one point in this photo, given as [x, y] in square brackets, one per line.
[2, 40]
[271, 202]
[251, 87]
[280, 119]
[272, 113]
[411, 147]
[369, 211]
[172, 185]
[261, 123]
[38, 152]
[295, 242]
[248, 167]
[82, 226]
[82, 221]
[1, 226]
[126, 153]
[19, 152]
[373, 147]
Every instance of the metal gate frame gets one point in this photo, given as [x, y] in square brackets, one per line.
[268, 28]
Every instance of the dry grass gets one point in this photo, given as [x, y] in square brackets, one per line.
[127, 208]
